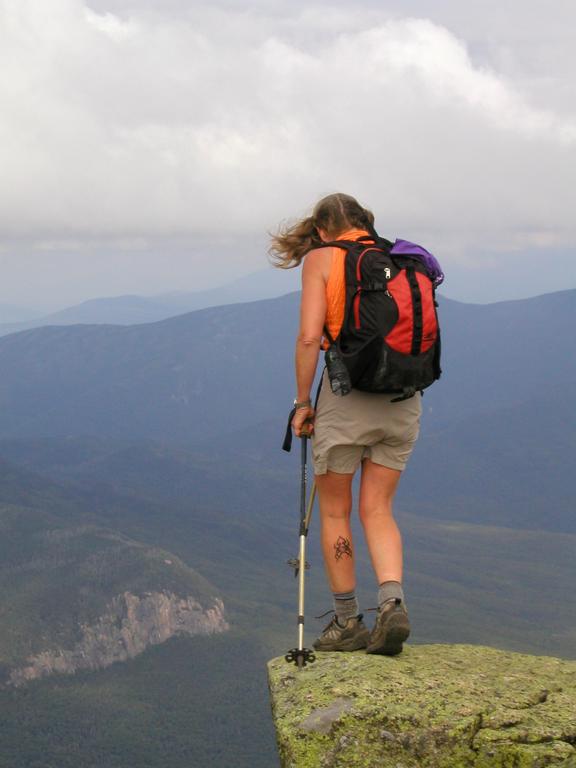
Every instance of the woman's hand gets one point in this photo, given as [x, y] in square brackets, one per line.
[303, 415]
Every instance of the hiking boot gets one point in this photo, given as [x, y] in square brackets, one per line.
[391, 628]
[351, 637]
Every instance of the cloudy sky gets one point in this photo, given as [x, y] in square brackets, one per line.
[149, 145]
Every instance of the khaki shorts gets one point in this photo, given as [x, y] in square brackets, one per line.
[363, 425]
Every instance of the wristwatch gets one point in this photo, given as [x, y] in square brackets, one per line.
[302, 404]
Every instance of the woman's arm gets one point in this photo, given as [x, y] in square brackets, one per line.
[312, 319]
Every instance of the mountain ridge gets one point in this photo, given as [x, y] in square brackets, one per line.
[131, 309]
[171, 379]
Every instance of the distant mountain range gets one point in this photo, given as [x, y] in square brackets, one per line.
[146, 459]
[224, 368]
[132, 310]
[218, 376]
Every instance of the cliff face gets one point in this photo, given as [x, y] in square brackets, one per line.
[130, 624]
[433, 706]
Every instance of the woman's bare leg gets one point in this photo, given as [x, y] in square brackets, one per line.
[335, 501]
[377, 488]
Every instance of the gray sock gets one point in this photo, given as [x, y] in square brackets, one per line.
[389, 589]
[345, 606]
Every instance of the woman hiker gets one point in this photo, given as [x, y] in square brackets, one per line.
[361, 429]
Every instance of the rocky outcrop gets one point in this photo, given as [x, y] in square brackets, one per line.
[433, 706]
[130, 624]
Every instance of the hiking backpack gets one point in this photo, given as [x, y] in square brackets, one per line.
[389, 341]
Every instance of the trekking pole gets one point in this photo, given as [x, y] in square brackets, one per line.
[300, 655]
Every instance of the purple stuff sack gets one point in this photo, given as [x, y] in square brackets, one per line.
[433, 268]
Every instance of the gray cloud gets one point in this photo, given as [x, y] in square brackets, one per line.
[148, 119]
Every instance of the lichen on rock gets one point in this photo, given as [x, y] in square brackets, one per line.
[433, 706]
[130, 624]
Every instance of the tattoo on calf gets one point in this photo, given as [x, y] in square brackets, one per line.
[342, 547]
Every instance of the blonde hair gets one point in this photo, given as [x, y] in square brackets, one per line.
[334, 214]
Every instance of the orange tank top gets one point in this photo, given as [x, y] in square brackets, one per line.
[336, 286]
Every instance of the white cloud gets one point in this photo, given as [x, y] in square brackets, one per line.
[144, 124]
[109, 24]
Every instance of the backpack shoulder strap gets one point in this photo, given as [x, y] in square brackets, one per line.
[372, 239]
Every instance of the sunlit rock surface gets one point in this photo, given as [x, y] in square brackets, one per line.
[127, 628]
[433, 706]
